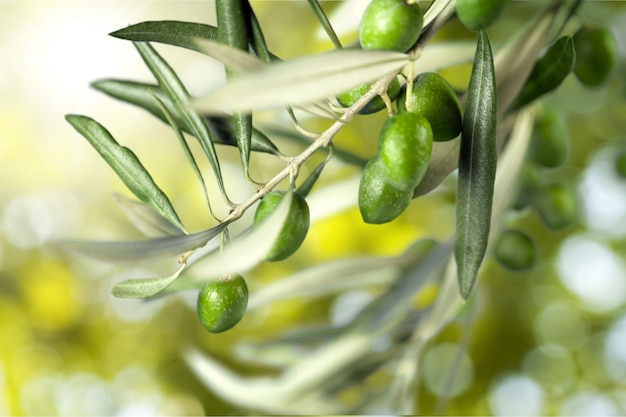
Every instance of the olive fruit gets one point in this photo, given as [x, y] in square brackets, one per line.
[550, 142]
[222, 303]
[390, 24]
[295, 228]
[596, 55]
[404, 148]
[376, 104]
[620, 164]
[379, 201]
[557, 205]
[433, 98]
[515, 250]
[478, 14]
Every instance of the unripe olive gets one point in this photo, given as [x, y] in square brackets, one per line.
[515, 250]
[295, 228]
[379, 201]
[376, 104]
[222, 303]
[596, 55]
[404, 148]
[478, 14]
[433, 98]
[620, 164]
[557, 205]
[550, 143]
[390, 24]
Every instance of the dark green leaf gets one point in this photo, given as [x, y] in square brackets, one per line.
[126, 165]
[548, 73]
[258, 39]
[173, 87]
[141, 95]
[143, 249]
[328, 28]
[144, 287]
[170, 32]
[477, 168]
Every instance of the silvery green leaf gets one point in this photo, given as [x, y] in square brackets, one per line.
[142, 249]
[238, 61]
[302, 80]
[147, 220]
[143, 287]
[437, 56]
[477, 167]
[126, 165]
[444, 159]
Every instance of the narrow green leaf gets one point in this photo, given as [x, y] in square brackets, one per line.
[146, 219]
[258, 39]
[171, 84]
[141, 95]
[548, 73]
[170, 32]
[477, 168]
[142, 249]
[126, 165]
[143, 287]
[323, 19]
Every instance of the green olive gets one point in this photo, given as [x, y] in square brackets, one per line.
[550, 142]
[557, 205]
[379, 201]
[596, 55]
[404, 149]
[478, 14]
[433, 98]
[376, 104]
[620, 164]
[515, 250]
[222, 303]
[390, 24]
[295, 228]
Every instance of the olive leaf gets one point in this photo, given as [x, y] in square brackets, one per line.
[548, 73]
[477, 168]
[173, 87]
[126, 165]
[325, 23]
[170, 32]
[143, 287]
[299, 81]
[145, 218]
[232, 30]
[142, 95]
[143, 249]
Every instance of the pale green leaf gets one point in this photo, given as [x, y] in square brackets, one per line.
[143, 287]
[238, 61]
[126, 165]
[147, 220]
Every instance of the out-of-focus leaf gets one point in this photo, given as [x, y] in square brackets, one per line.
[143, 287]
[142, 249]
[145, 218]
[443, 160]
[141, 95]
[171, 84]
[548, 73]
[126, 165]
[239, 62]
[477, 168]
[171, 32]
[300, 81]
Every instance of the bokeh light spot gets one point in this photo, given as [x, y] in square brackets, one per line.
[447, 370]
[516, 395]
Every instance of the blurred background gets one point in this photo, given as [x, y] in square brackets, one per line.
[549, 340]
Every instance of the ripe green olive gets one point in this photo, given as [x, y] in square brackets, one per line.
[379, 201]
[550, 142]
[222, 303]
[390, 24]
[433, 98]
[376, 104]
[596, 55]
[478, 14]
[620, 164]
[557, 205]
[404, 149]
[295, 228]
[515, 250]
